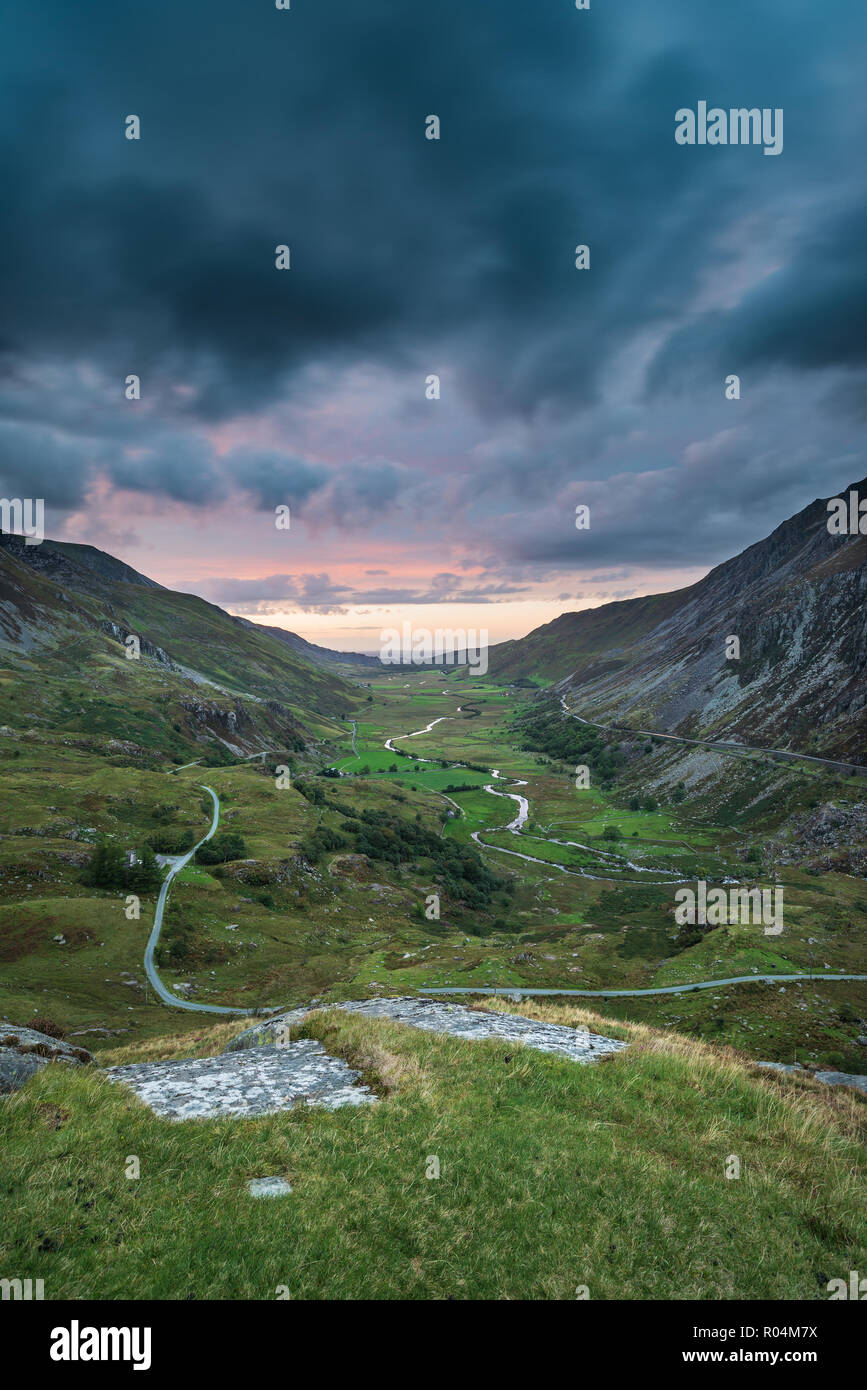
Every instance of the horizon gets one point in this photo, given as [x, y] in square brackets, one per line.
[337, 638]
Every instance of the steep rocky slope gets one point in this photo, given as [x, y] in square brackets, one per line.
[795, 601]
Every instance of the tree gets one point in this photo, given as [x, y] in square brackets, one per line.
[145, 876]
[106, 868]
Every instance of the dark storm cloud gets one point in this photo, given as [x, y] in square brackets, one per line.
[306, 127]
[275, 479]
[182, 469]
[34, 463]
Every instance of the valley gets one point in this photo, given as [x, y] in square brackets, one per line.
[582, 891]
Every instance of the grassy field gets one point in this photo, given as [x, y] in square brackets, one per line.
[554, 1178]
[277, 931]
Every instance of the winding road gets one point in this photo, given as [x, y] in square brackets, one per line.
[725, 745]
[516, 826]
[150, 969]
[518, 991]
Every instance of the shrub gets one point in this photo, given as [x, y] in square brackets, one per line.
[47, 1026]
[221, 848]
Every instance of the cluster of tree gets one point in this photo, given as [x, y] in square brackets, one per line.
[225, 845]
[108, 868]
[218, 756]
[176, 841]
[320, 842]
[389, 838]
[311, 792]
[545, 729]
[458, 868]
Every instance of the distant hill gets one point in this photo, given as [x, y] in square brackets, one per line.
[797, 601]
[66, 610]
[320, 656]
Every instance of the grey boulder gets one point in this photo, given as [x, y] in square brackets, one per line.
[23, 1052]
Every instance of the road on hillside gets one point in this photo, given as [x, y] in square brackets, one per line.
[150, 969]
[518, 991]
[725, 745]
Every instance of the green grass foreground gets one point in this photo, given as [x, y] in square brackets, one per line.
[552, 1176]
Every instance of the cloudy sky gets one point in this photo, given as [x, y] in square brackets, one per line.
[412, 257]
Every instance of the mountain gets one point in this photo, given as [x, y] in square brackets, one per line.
[66, 612]
[327, 657]
[795, 601]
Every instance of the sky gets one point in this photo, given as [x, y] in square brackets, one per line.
[410, 257]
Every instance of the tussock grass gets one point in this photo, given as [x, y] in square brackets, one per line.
[208, 1041]
[385, 1072]
[552, 1175]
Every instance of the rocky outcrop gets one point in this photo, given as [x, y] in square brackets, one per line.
[120, 633]
[796, 601]
[264, 1069]
[830, 1078]
[24, 1052]
[831, 837]
[209, 715]
[454, 1020]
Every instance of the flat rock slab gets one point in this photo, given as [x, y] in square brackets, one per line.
[273, 1033]
[258, 1081]
[830, 1078]
[269, 1187]
[457, 1021]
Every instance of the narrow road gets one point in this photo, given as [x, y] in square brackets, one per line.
[518, 991]
[150, 969]
[398, 738]
[726, 746]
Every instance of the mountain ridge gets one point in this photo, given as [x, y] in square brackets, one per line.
[796, 601]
